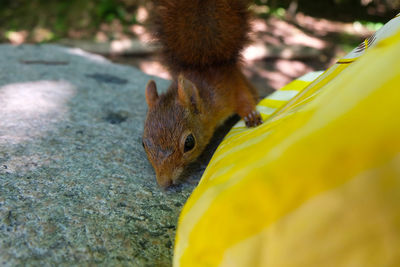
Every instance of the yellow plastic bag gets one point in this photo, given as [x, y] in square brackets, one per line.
[318, 184]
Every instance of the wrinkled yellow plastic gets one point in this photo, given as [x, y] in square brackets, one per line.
[318, 184]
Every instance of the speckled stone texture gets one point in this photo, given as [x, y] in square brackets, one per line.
[75, 184]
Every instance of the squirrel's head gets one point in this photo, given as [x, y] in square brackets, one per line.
[174, 133]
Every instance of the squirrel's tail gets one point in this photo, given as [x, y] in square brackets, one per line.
[198, 34]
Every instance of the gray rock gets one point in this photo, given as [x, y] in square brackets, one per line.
[75, 184]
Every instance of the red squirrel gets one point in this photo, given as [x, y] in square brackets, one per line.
[201, 42]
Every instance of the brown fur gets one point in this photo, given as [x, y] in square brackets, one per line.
[198, 34]
[201, 42]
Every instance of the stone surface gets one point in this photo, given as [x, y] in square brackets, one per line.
[75, 184]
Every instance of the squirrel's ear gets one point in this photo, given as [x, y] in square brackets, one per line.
[188, 94]
[151, 93]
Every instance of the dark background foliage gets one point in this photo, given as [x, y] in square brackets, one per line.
[314, 33]
[84, 18]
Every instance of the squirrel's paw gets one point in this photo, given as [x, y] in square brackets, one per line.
[253, 119]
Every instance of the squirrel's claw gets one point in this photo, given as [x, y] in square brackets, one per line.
[253, 119]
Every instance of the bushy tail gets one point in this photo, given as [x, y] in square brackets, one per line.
[198, 34]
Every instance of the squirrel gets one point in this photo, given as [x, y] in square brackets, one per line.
[201, 41]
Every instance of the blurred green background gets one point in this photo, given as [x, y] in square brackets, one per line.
[43, 20]
[289, 38]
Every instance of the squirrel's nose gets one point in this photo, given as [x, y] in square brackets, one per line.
[163, 180]
[165, 177]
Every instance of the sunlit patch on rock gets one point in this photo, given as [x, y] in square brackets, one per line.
[30, 109]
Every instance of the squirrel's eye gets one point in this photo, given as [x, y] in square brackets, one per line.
[143, 144]
[189, 143]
